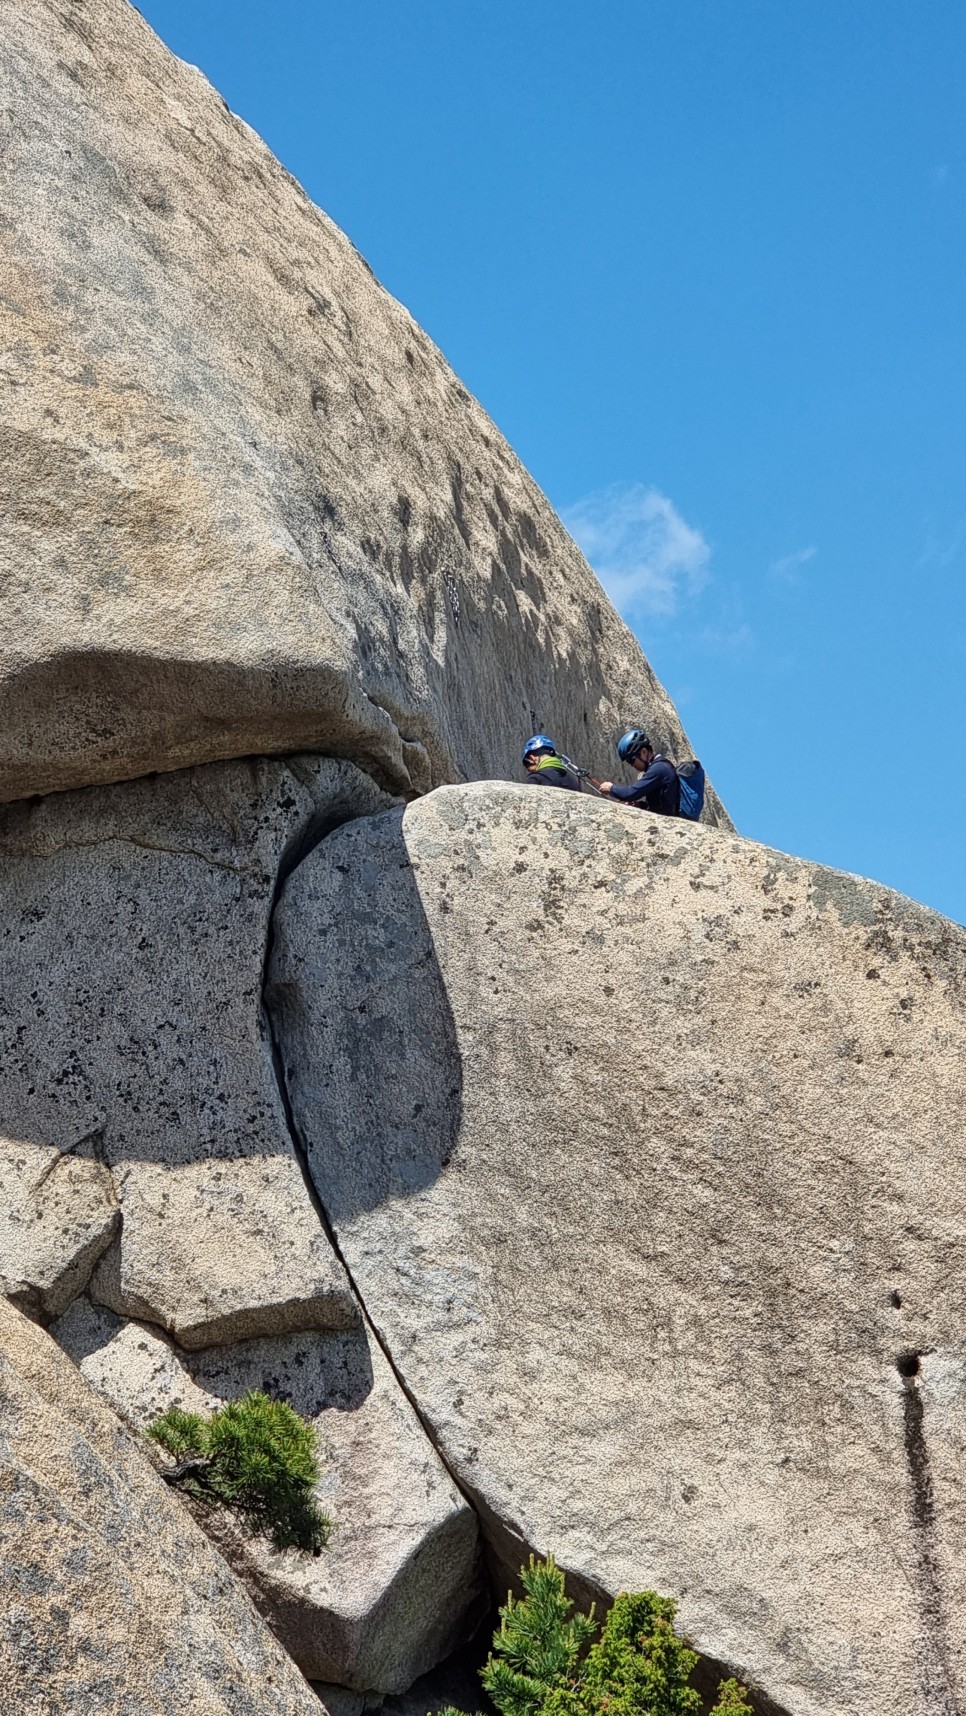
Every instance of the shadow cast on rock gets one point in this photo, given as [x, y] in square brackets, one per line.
[360, 1013]
[313, 1373]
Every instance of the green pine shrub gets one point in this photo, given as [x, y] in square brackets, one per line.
[256, 1456]
[732, 1700]
[538, 1645]
[547, 1662]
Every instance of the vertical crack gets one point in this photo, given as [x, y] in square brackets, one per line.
[935, 1662]
[317, 830]
[302, 1157]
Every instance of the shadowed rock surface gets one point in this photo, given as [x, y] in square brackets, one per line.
[454, 1683]
[249, 506]
[114, 1600]
[400, 1583]
[133, 927]
[661, 1214]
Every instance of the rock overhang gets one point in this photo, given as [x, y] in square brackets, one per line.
[251, 509]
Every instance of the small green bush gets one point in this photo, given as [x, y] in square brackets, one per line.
[732, 1700]
[538, 1645]
[544, 1663]
[256, 1456]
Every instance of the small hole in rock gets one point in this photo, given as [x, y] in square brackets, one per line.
[907, 1364]
[895, 1299]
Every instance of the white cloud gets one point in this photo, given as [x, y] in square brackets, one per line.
[735, 641]
[642, 550]
[943, 549]
[789, 566]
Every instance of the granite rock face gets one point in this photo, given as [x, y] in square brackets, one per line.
[400, 1583]
[249, 507]
[660, 1209]
[133, 926]
[114, 1600]
[58, 1214]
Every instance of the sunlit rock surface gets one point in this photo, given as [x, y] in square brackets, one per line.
[249, 507]
[656, 1191]
[58, 1214]
[114, 1600]
[400, 1583]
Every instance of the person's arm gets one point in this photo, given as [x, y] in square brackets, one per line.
[649, 783]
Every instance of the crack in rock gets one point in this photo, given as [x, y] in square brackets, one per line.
[937, 1674]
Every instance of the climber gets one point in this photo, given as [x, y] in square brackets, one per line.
[657, 787]
[544, 767]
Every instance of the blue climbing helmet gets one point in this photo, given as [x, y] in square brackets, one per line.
[538, 743]
[631, 742]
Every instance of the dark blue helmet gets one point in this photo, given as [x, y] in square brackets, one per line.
[631, 742]
[538, 743]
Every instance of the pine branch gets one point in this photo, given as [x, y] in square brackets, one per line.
[187, 1469]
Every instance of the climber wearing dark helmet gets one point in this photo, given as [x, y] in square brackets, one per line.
[544, 767]
[657, 787]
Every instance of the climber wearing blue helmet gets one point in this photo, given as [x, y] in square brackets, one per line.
[657, 787]
[544, 767]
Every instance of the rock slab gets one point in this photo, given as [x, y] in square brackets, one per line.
[114, 1600]
[249, 508]
[400, 1584]
[133, 931]
[58, 1215]
[656, 1191]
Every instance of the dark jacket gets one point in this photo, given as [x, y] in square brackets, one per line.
[554, 774]
[658, 789]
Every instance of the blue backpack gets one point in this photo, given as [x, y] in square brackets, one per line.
[691, 782]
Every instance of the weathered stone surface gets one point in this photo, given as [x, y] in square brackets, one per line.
[222, 1251]
[401, 1581]
[58, 1213]
[133, 927]
[342, 1701]
[249, 506]
[661, 1209]
[114, 1601]
[453, 1684]
[139, 1371]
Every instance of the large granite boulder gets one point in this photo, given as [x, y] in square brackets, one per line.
[249, 506]
[114, 1601]
[136, 1064]
[646, 1149]
[400, 1583]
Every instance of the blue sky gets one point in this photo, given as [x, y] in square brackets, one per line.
[704, 262]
